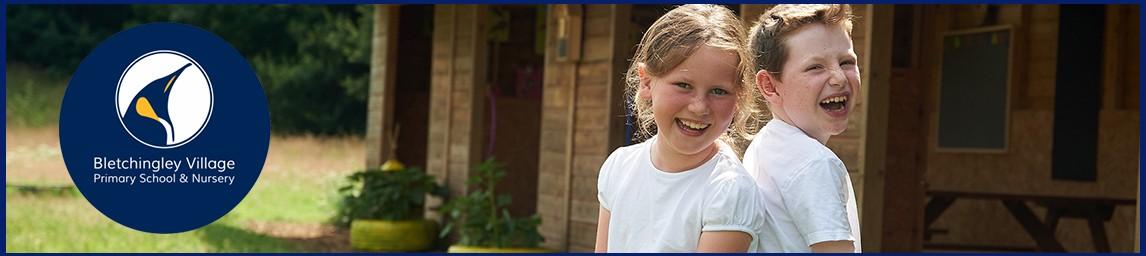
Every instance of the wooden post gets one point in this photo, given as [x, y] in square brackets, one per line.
[570, 25]
[876, 80]
[380, 105]
[552, 165]
[622, 47]
[1113, 64]
[441, 74]
[457, 97]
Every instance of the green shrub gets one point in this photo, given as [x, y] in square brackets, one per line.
[34, 96]
[481, 218]
[385, 195]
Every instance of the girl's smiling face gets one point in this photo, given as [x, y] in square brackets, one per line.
[692, 105]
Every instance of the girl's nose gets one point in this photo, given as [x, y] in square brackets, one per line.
[699, 106]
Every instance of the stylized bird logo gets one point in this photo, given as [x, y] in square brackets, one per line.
[147, 115]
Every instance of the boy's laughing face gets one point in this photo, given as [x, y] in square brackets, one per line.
[819, 82]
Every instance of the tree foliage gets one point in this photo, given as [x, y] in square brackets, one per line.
[312, 60]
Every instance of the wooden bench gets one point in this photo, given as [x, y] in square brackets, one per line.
[1095, 210]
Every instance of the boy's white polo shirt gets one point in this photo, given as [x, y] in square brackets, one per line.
[808, 193]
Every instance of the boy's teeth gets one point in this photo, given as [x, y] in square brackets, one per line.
[693, 125]
[834, 99]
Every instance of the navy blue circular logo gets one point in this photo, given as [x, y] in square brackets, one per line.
[164, 127]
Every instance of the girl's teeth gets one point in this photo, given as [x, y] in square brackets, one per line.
[694, 126]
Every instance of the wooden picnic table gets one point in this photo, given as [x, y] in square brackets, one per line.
[1095, 210]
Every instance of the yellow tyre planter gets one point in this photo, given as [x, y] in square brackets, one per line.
[391, 236]
[478, 249]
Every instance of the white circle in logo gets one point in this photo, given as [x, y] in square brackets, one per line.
[165, 89]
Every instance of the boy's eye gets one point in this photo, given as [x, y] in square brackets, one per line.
[848, 62]
[814, 67]
[683, 85]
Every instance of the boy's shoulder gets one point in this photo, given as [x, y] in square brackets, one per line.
[782, 151]
[786, 141]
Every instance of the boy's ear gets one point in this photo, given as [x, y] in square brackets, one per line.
[766, 85]
[644, 88]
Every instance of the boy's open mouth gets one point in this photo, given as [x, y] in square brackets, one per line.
[691, 127]
[832, 104]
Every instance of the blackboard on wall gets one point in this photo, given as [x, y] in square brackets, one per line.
[974, 90]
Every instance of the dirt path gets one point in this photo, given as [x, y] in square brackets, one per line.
[310, 237]
[32, 157]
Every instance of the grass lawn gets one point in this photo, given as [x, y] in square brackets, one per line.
[70, 224]
[286, 210]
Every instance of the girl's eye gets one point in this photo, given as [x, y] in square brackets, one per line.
[719, 91]
[683, 85]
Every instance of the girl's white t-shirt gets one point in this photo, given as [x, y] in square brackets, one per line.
[656, 211]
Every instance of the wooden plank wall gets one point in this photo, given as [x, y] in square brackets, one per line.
[750, 13]
[1026, 167]
[582, 122]
[456, 89]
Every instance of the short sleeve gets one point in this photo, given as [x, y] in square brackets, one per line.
[734, 204]
[817, 200]
[603, 177]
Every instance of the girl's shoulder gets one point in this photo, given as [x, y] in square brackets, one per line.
[727, 160]
[729, 171]
[624, 157]
[630, 151]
